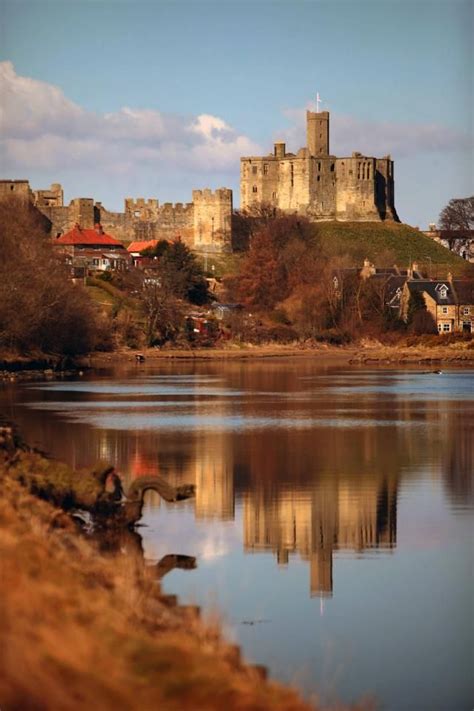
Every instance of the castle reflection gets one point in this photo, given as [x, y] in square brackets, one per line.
[337, 513]
[307, 491]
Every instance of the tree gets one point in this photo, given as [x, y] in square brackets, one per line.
[182, 275]
[458, 215]
[456, 220]
[282, 255]
[40, 308]
[163, 313]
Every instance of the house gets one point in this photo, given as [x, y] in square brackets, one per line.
[136, 248]
[93, 249]
[450, 302]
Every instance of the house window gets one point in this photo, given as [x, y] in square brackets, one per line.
[254, 169]
[444, 310]
[466, 310]
[254, 189]
[446, 327]
[443, 293]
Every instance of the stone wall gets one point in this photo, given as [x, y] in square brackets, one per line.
[204, 224]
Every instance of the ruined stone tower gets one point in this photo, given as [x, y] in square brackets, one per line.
[317, 184]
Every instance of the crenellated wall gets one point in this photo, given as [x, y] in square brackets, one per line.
[204, 224]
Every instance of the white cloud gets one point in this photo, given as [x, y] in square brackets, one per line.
[375, 138]
[42, 128]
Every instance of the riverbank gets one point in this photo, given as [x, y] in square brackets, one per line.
[370, 352]
[85, 624]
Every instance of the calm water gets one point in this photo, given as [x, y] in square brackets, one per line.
[333, 517]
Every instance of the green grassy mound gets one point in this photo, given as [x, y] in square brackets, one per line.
[388, 243]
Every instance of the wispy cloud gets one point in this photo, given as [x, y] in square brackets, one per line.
[42, 128]
[376, 138]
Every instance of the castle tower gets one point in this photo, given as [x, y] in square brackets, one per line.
[213, 220]
[317, 133]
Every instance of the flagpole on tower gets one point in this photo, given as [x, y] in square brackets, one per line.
[318, 101]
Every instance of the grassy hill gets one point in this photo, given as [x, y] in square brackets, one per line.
[388, 243]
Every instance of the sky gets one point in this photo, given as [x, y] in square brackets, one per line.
[115, 99]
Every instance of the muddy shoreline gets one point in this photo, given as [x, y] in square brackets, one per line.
[24, 368]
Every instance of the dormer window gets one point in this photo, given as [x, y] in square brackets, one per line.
[442, 290]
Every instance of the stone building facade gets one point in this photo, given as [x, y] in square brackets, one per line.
[205, 224]
[319, 185]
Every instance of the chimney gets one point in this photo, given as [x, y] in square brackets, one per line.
[280, 149]
[98, 228]
[450, 277]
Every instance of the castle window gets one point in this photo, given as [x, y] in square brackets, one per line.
[318, 178]
[254, 189]
[350, 172]
[274, 196]
[332, 167]
[265, 169]
[292, 173]
[254, 169]
[319, 166]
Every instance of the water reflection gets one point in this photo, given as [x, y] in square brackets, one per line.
[265, 436]
[352, 486]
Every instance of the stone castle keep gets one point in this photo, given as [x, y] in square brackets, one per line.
[312, 183]
[318, 185]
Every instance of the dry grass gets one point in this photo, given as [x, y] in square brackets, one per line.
[82, 630]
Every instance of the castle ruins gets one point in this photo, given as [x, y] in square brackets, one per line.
[311, 182]
[318, 185]
[203, 224]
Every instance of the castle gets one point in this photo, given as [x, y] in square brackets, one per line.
[312, 183]
[318, 185]
[203, 224]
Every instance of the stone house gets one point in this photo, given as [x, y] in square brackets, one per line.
[450, 302]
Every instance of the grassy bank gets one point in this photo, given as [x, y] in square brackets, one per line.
[376, 241]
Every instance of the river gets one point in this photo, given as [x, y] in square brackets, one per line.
[333, 517]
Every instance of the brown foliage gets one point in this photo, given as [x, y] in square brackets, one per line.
[282, 254]
[40, 309]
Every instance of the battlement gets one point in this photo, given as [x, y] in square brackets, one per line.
[176, 207]
[220, 194]
[19, 189]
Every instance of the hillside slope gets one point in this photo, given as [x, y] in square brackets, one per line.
[386, 243]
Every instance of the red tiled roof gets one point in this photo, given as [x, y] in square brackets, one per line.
[78, 236]
[139, 246]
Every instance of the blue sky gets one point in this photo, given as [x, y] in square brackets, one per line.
[115, 98]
